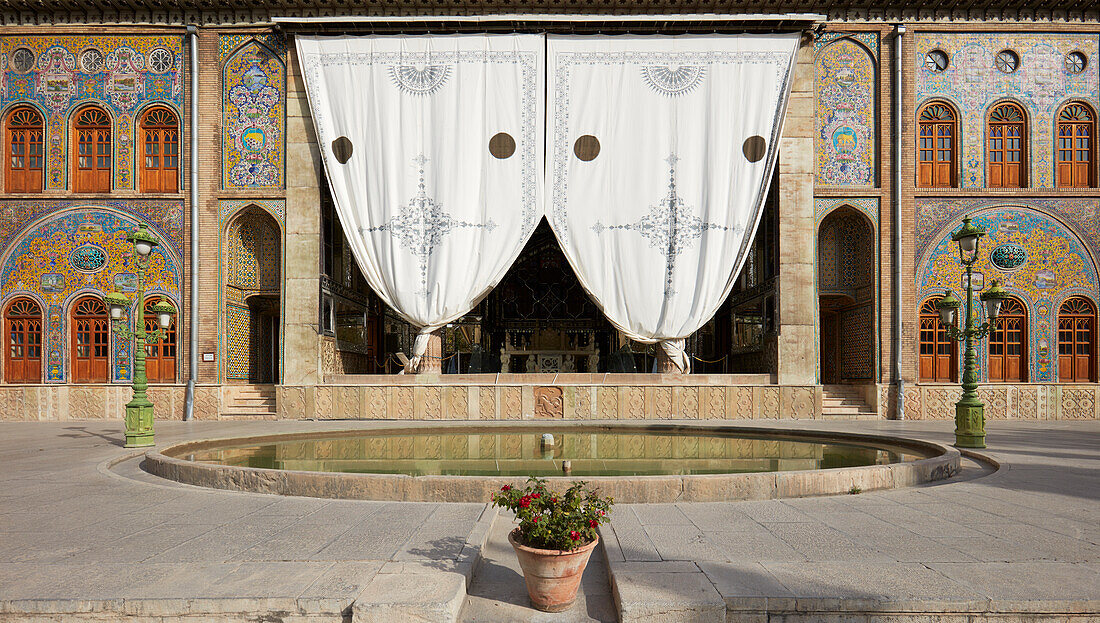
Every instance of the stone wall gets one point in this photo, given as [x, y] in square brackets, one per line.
[1034, 401]
[443, 400]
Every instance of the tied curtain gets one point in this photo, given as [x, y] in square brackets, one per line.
[433, 148]
[660, 153]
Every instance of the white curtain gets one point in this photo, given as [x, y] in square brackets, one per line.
[660, 153]
[406, 127]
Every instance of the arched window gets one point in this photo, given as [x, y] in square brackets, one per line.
[1005, 147]
[1077, 341]
[160, 166]
[1076, 127]
[25, 149]
[23, 328]
[92, 146]
[938, 129]
[937, 351]
[160, 359]
[1008, 344]
[89, 341]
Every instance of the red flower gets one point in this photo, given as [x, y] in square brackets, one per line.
[576, 536]
[535, 519]
[506, 488]
[535, 496]
[524, 502]
[593, 523]
[553, 500]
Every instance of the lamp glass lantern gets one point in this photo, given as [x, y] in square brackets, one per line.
[118, 304]
[948, 308]
[164, 312]
[992, 299]
[142, 240]
[967, 238]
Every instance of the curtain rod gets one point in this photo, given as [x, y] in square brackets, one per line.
[541, 17]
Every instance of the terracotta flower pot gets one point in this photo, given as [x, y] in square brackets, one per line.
[552, 575]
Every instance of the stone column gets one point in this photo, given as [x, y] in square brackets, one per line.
[431, 363]
[798, 360]
[301, 284]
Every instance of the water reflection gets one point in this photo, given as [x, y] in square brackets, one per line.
[513, 453]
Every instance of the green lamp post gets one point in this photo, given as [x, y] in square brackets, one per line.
[139, 411]
[969, 410]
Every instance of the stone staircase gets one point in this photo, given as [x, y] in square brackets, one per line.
[845, 402]
[249, 402]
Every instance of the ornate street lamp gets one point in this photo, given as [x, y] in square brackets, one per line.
[969, 410]
[139, 411]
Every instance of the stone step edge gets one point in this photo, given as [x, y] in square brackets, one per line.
[400, 591]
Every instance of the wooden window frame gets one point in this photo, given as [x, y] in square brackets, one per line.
[931, 172]
[992, 152]
[101, 178]
[24, 368]
[93, 374]
[164, 353]
[154, 135]
[1024, 336]
[1075, 320]
[1075, 173]
[23, 179]
[934, 360]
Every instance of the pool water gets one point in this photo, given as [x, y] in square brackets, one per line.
[522, 451]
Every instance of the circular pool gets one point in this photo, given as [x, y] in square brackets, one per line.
[632, 462]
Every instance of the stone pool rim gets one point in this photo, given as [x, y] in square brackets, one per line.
[941, 462]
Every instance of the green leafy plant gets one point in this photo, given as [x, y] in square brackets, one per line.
[855, 490]
[549, 520]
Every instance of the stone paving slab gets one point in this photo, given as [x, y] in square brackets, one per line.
[1019, 544]
[81, 540]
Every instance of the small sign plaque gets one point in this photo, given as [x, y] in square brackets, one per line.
[208, 356]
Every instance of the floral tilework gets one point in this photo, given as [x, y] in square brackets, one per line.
[238, 322]
[1056, 265]
[118, 73]
[845, 113]
[1082, 216]
[254, 111]
[58, 258]
[275, 207]
[972, 82]
[867, 205]
[856, 346]
[166, 216]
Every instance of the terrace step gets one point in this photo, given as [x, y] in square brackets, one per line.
[845, 402]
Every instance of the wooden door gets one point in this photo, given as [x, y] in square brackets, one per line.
[1007, 344]
[90, 341]
[160, 358]
[1076, 335]
[92, 166]
[23, 356]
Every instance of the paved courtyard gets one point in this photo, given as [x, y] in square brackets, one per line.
[82, 539]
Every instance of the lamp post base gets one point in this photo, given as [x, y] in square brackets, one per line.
[139, 424]
[969, 424]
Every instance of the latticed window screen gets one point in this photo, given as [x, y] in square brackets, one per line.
[25, 151]
[90, 341]
[161, 163]
[936, 164]
[92, 168]
[1076, 127]
[937, 350]
[1008, 344]
[23, 357]
[160, 358]
[1005, 147]
[1076, 341]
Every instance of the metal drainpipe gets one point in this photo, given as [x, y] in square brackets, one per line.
[899, 30]
[193, 261]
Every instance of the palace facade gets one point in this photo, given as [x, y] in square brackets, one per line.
[901, 121]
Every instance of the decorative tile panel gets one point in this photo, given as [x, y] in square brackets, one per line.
[1056, 266]
[844, 122]
[41, 264]
[253, 111]
[121, 74]
[972, 82]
